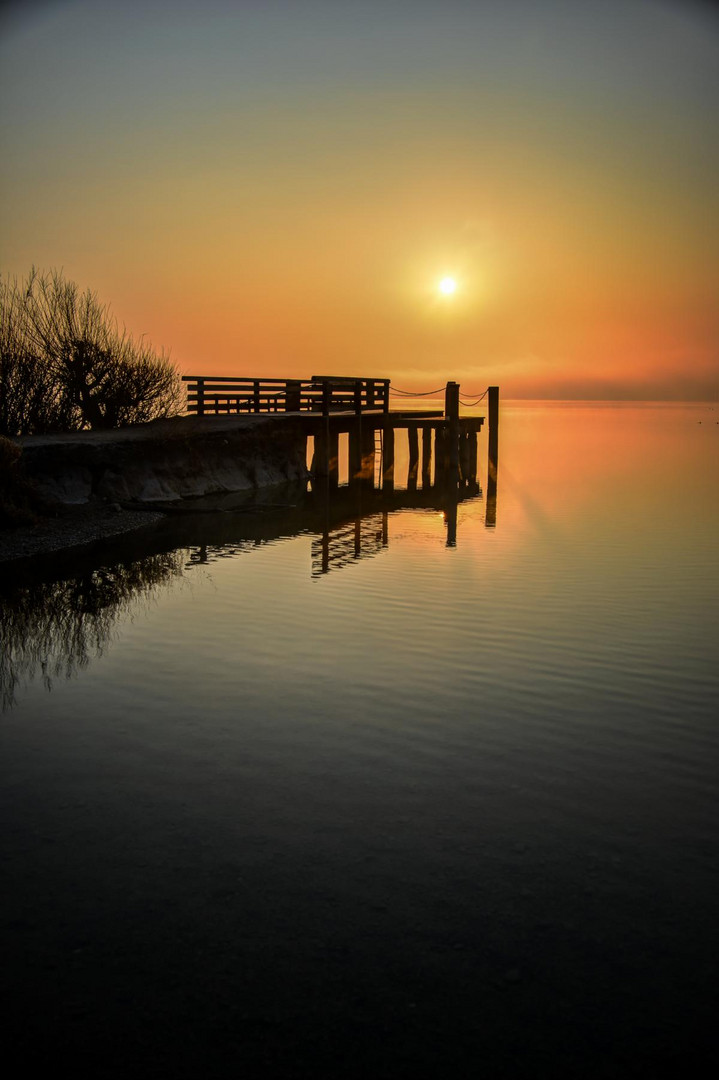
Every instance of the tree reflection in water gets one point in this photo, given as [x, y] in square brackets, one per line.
[53, 629]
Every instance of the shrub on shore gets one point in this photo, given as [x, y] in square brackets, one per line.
[66, 364]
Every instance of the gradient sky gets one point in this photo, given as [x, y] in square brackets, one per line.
[275, 188]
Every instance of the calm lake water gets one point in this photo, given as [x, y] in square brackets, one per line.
[312, 793]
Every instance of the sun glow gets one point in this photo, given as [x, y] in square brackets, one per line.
[447, 286]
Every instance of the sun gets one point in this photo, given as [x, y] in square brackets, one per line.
[447, 286]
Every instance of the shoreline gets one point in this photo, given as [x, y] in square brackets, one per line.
[75, 527]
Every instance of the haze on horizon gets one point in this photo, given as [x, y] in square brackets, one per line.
[278, 188]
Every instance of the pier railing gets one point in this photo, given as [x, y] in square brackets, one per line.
[322, 394]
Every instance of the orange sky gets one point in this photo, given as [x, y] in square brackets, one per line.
[277, 188]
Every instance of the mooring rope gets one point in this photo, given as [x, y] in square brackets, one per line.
[413, 393]
[433, 393]
[469, 404]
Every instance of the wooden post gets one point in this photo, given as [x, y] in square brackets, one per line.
[355, 453]
[472, 442]
[493, 437]
[326, 397]
[490, 507]
[333, 457]
[413, 440]
[451, 408]
[490, 515]
[426, 456]
[385, 395]
[200, 397]
[358, 396]
[440, 454]
[256, 396]
[293, 389]
[320, 463]
[464, 455]
[370, 393]
[368, 453]
[388, 457]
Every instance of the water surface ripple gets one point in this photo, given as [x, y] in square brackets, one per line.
[438, 807]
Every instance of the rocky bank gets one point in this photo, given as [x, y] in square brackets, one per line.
[91, 476]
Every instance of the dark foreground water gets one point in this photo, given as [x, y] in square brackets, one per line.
[311, 793]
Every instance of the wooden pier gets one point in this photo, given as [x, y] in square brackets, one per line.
[360, 408]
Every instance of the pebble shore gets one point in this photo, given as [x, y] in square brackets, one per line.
[73, 528]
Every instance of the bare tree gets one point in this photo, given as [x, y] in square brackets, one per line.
[66, 364]
[29, 398]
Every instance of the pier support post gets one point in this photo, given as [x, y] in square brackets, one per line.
[490, 511]
[426, 456]
[321, 459]
[413, 440]
[472, 454]
[493, 436]
[388, 457]
[355, 452]
[464, 454]
[333, 457]
[441, 462]
[490, 517]
[367, 446]
[451, 409]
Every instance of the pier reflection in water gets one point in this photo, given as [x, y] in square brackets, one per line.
[356, 521]
[54, 625]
